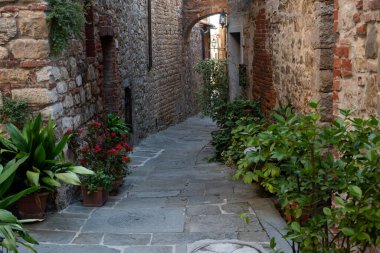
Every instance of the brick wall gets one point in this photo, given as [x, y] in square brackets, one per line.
[324, 50]
[288, 48]
[262, 72]
[356, 56]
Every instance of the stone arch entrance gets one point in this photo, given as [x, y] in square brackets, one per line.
[196, 10]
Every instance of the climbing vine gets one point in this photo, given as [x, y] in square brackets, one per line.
[66, 19]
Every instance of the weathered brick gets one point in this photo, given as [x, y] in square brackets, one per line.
[342, 51]
[29, 49]
[361, 30]
[374, 4]
[33, 24]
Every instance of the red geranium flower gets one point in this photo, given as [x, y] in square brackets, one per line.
[97, 149]
[69, 131]
[125, 159]
[112, 151]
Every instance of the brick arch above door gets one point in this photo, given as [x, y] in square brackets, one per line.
[196, 10]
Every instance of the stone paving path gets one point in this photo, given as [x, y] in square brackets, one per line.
[174, 201]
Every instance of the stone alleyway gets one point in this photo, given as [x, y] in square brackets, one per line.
[174, 201]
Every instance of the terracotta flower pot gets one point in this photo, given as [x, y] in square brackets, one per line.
[33, 206]
[95, 199]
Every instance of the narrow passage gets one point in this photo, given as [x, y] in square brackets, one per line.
[174, 201]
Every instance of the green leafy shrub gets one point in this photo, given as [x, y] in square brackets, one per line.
[239, 111]
[66, 19]
[117, 125]
[213, 91]
[326, 177]
[14, 111]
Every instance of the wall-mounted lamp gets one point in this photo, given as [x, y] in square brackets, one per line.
[213, 43]
[223, 19]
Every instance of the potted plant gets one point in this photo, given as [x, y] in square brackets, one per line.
[43, 164]
[95, 188]
[103, 145]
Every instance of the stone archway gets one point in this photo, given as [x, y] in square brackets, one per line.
[196, 10]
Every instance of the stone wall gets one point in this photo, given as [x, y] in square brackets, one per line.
[302, 50]
[161, 95]
[66, 88]
[288, 48]
[356, 56]
[81, 84]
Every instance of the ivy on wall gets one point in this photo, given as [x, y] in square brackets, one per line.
[66, 19]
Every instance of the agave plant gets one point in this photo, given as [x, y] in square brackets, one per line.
[43, 156]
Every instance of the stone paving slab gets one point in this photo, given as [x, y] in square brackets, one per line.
[149, 249]
[153, 194]
[60, 237]
[89, 238]
[136, 220]
[50, 248]
[187, 238]
[224, 222]
[58, 224]
[134, 203]
[127, 239]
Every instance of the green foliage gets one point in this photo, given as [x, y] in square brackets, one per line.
[66, 19]
[240, 111]
[326, 177]
[13, 233]
[44, 163]
[11, 229]
[7, 175]
[14, 111]
[213, 92]
[99, 179]
[116, 124]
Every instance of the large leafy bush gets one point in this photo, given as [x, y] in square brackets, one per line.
[326, 176]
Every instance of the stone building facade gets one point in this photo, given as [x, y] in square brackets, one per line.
[136, 58]
[130, 61]
[302, 50]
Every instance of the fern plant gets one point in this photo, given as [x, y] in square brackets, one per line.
[66, 19]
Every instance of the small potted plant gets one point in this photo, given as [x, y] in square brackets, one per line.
[95, 188]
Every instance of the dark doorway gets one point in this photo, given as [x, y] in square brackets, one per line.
[108, 75]
[128, 108]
